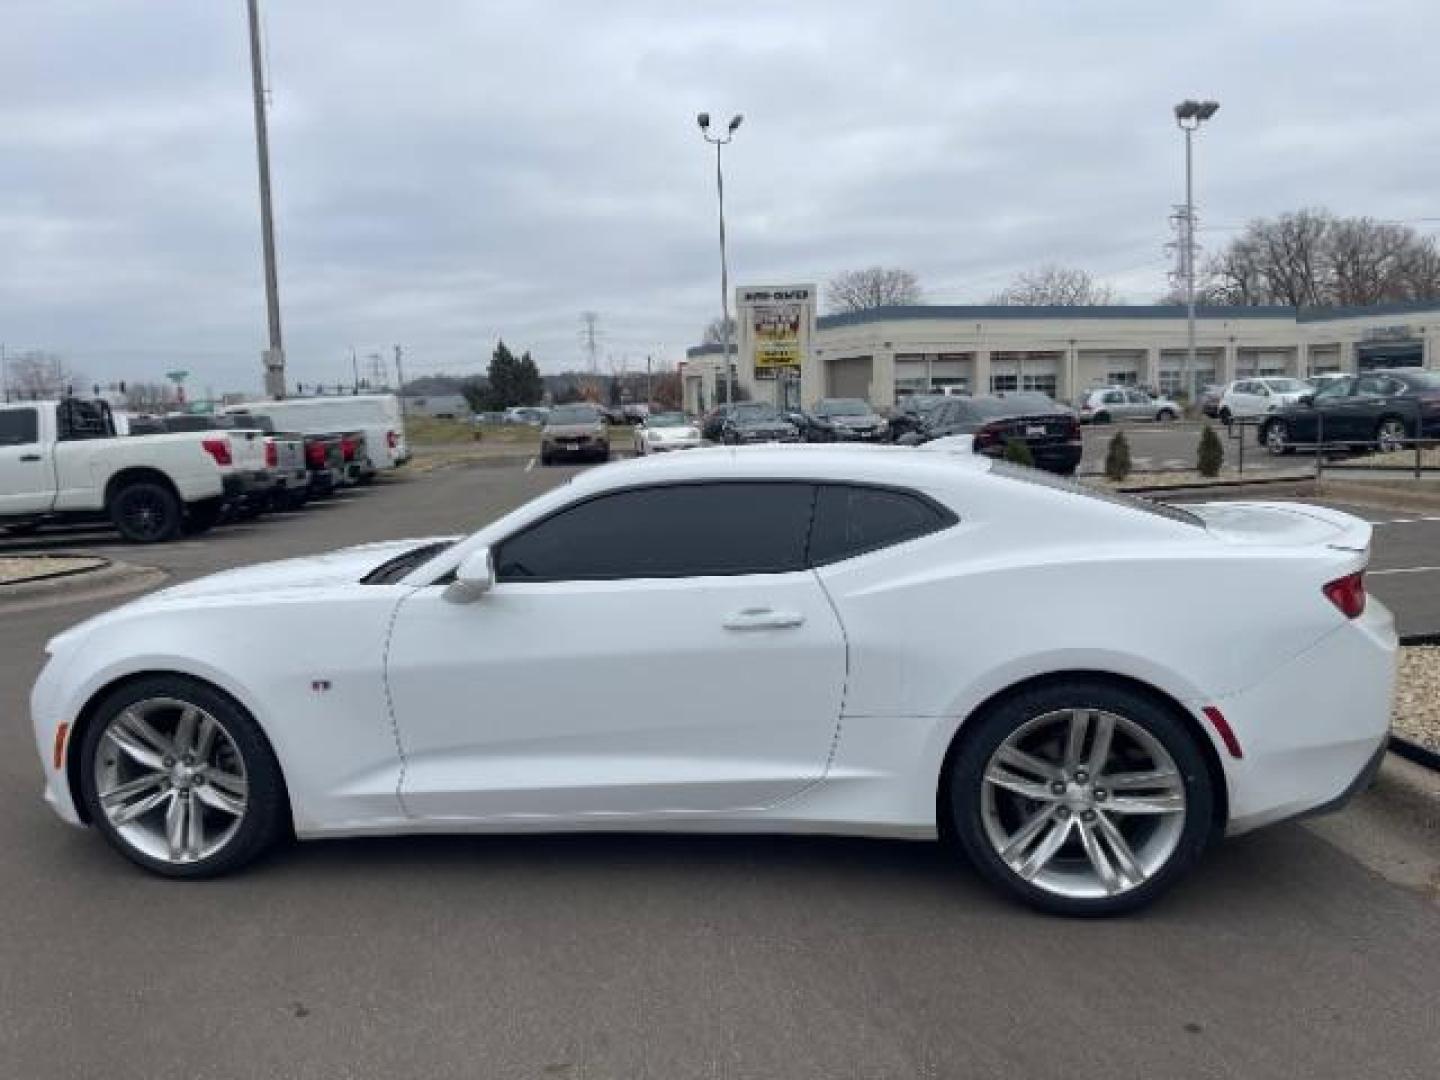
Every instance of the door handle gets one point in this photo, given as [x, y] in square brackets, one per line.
[763, 619]
[30, 457]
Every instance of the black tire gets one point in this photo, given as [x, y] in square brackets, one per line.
[267, 811]
[294, 499]
[1279, 446]
[1226, 417]
[145, 512]
[201, 517]
[1100, 418]
[984, 734]
[1165, 415]
[22, 528]
[603, 456]
[546, 460]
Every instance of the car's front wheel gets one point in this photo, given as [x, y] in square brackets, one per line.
[1390, 435]
[146, 512]
[1165, 415]
[1081, 798]
[180, 779]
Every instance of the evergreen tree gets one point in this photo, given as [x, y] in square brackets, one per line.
[1117, 458]
[1017, 451]
[1211, 454]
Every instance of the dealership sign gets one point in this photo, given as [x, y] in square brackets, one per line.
[776, 325]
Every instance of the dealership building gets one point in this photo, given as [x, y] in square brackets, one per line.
[886, 353]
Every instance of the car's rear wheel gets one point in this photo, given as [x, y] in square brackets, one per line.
[145, 512]
[1100, 418]
[1226, 417]
[180, 779]
[1390, 435]
[1165, 415]
[1081, 798]
[1275, 437]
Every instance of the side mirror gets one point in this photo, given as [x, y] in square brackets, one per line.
[473, 578]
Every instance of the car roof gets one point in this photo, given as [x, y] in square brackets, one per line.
[902, 466]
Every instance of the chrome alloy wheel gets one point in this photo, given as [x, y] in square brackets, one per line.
[1277, 437]
[171, 780]
[1083, 803]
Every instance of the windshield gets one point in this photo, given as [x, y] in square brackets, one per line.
[1286, 386]
[842, 407]
[756, 410]
[668, 419]
[988, 408]
[575, 414]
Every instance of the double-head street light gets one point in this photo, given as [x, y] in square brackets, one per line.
[1189, 115]
[719, 141]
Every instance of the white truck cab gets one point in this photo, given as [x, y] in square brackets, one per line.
[63, 460]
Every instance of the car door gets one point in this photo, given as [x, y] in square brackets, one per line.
[27, 474]
[654, 650]
[1138, 405]
[1342, 413]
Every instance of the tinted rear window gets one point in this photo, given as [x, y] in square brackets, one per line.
[1074, 487]
[851, 520]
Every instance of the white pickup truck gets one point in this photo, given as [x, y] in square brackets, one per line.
[63, 461]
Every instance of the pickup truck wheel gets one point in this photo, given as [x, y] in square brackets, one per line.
[201, 517]
[145, 513]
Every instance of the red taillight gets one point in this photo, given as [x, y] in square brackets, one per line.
[315, 455]
[393, 439]
[1072, 429]
[989, 435]
[219, 449]
[272, 455]
[347, 449]
[1348, 594]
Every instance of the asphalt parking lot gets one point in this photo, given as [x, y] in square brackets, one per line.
[676, 957]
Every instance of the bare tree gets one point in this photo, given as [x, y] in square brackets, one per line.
[1054, 286]
[875, 287]
[149, 397]
[38, 375]
[715, 332]
[1311, 258]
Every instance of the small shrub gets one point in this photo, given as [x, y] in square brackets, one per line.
[1117, 457]
[1211, 454]
[1017, 451]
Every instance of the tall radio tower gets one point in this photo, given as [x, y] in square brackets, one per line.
[590, 340]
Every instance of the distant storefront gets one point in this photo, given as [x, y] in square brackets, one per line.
[787, 355]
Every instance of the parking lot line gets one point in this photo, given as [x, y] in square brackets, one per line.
[1407, 521]
[1403, 570]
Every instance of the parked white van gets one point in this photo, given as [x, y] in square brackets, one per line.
[377, 415]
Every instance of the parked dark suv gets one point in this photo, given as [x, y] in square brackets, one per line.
[1375, 409]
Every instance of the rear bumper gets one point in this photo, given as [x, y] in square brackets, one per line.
[1313, 729]
[248, 483]
[1059, 457]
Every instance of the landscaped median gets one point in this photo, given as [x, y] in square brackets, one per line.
[1417, 698]
[28, 581]
[19, 568]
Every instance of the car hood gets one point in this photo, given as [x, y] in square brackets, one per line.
[252, 583]
[569, 431]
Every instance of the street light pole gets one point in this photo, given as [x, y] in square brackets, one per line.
[718, 142]
[275, 355]
[1189, 115]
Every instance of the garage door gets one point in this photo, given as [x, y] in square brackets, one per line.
[849, 376]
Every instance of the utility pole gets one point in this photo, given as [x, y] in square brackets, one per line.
[274, 357]
[4, 372]
[649, 380]
[400, 374]
[590, 340]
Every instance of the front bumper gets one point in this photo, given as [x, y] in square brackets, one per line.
[575, 447]
[753, 437]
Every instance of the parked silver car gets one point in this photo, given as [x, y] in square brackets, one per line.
[1110, 403]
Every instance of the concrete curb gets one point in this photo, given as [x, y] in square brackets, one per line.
[110, 579]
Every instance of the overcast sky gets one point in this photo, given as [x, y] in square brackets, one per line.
[449, 172]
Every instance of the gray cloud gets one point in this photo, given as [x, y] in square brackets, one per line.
[448, 172]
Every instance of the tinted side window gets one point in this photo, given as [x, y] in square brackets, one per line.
[850, 521]
[19, 427]
[678, 530]
[1374, 386]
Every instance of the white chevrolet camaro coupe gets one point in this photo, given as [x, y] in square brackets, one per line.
[858, 640]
